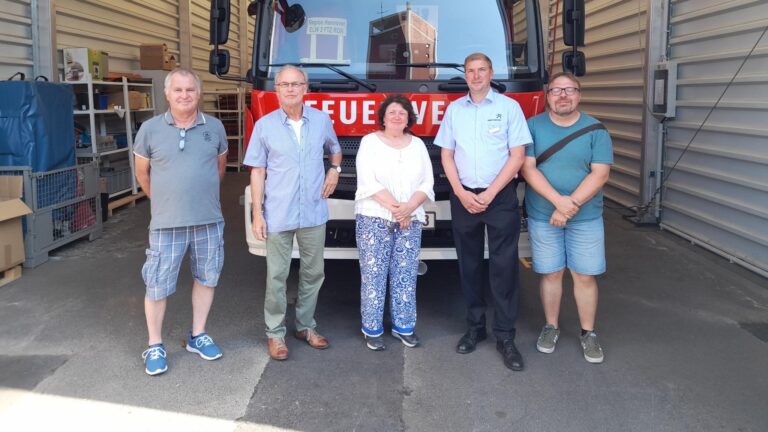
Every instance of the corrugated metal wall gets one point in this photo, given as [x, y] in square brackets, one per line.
[717, 194]
[614, 85]
[118, 27]
[16, 38]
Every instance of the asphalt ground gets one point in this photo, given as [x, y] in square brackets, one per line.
[685, 336]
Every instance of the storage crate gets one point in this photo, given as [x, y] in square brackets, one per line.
[121, 140]
[65, 207]
[228, 101]
[231, 126]
[116, 179]
[104, 143]
[233, 150]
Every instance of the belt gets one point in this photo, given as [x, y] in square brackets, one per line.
[474, 190]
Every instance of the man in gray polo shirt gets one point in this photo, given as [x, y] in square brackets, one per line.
[180, 159]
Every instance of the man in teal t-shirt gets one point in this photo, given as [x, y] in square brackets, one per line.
[564, 201]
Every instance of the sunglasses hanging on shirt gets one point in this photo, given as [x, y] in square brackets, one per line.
[182, 135]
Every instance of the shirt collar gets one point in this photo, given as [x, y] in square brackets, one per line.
[490, 97]
[200, 120]
[284, 116]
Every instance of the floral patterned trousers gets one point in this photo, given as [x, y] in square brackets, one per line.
[386, 250]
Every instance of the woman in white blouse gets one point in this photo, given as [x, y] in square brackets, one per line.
[394, 178]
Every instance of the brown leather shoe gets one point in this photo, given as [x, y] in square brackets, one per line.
[277, 348]
[313, 338]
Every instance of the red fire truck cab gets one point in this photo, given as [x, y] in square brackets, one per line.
[358, 52]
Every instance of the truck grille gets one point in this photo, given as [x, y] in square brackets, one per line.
[348, 180]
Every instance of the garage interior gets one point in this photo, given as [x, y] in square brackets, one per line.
[683, 309]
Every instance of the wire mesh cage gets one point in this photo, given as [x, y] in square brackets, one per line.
[117, 179]
[65, 207]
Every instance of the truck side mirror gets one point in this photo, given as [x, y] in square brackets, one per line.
[292, 17]
[218, 62]
[573, 23]
[219, 26]
[253, 8]
[575, 63]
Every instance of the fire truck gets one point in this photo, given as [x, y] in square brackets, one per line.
[357, 52]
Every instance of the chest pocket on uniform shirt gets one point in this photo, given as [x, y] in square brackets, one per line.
[496, 131]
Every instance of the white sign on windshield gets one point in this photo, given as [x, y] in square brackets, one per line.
[323, 27]
[327, 26]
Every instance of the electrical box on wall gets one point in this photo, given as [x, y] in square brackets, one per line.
[664, 102]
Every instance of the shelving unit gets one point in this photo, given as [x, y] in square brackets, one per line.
[229, 109]
[108, 132]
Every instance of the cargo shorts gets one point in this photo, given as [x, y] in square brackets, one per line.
[167, 247]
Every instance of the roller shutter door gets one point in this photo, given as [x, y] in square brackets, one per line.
[717, 194]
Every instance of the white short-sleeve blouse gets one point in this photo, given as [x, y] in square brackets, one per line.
[400, 171]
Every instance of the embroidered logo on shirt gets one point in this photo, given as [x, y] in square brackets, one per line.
[207, 136]
[494, 124]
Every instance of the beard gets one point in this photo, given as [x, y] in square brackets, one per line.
[564, 109]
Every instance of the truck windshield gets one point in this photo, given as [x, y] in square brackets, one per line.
[395, 39]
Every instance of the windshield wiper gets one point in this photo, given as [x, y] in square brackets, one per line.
[501, 88]
[367, 85]
[458, 66]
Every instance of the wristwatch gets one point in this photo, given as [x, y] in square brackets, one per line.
[337, 168]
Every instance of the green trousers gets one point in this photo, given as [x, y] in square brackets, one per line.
[311, 243]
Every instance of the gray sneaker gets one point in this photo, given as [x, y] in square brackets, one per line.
[547, 339]
[375, 343]
[410, 340]
[591, 346]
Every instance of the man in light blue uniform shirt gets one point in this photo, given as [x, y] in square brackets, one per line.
[289, 187]
[564, 200]
[483, 137]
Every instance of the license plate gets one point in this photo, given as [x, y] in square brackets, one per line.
[429, 221]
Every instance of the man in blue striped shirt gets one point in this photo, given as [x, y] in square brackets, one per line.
[289, 187]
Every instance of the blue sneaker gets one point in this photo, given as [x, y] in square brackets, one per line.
[203, 345]
[154, 359]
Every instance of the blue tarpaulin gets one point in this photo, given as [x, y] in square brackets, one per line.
[36, 125]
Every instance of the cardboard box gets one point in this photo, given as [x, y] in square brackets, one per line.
[156, 57]
[136, 100]
[79, 61]
[12, 208]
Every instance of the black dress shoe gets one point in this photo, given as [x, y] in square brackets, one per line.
[470, 339]
[512, 357]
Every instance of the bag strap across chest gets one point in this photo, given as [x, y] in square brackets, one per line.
[548, 153]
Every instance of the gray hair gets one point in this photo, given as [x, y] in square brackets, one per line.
[292, 67]
[182, 72]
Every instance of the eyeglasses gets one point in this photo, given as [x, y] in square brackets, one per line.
[182, 135]
[557, 91]
[285, 85]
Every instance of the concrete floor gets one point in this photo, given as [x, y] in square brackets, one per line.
[684, 334]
